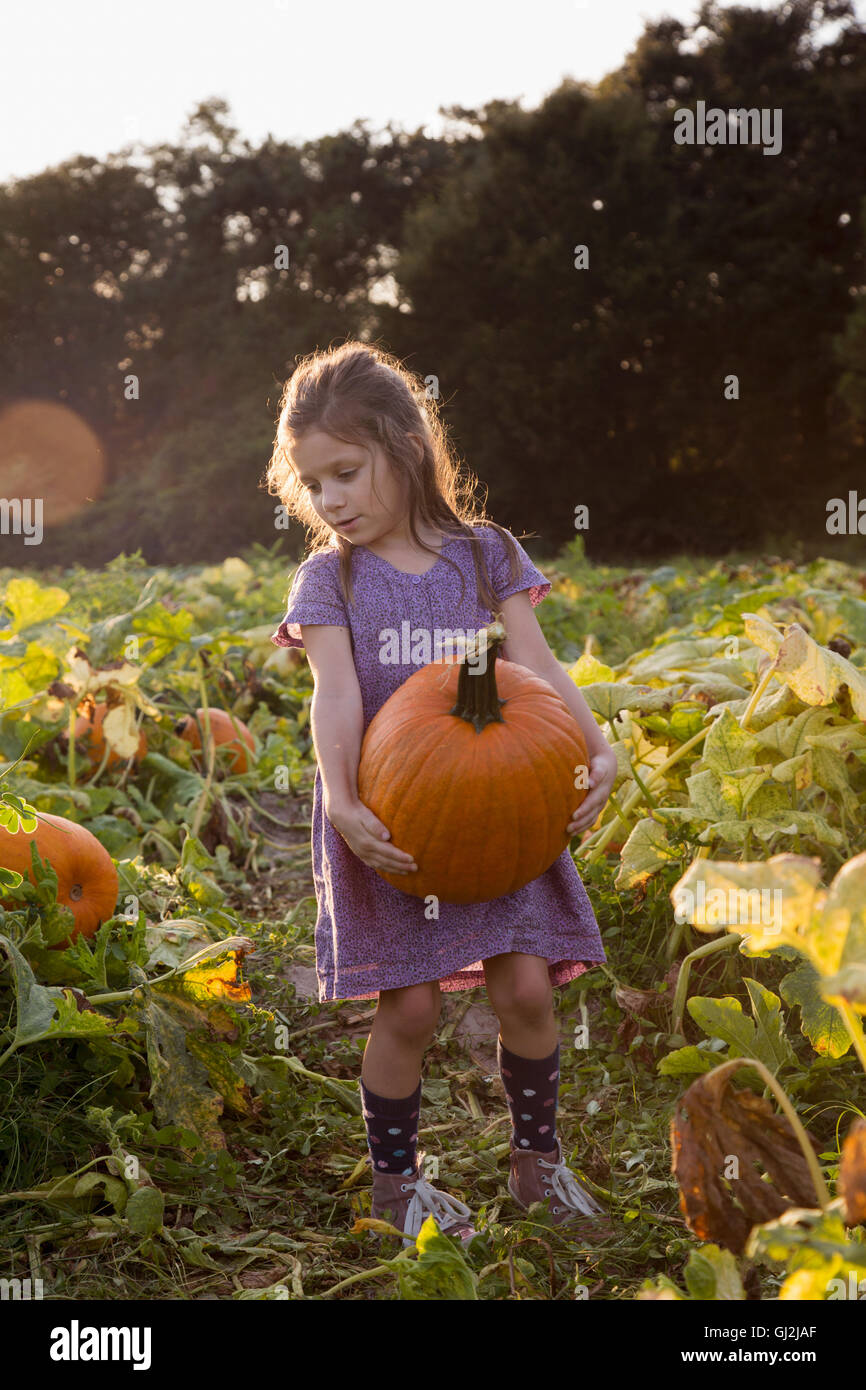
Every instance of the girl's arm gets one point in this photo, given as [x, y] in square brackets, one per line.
[337, 723]
[336, 714]
[526, 645]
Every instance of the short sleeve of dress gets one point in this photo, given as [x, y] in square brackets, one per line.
[529, 576]
[315, 597]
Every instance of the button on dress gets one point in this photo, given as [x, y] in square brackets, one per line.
[370, 935]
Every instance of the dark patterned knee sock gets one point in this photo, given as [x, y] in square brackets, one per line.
[532, 1089]
[392, 1130]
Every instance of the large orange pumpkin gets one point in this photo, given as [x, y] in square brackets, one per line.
[474, 775]
[89, 737]
[223, 732]
[86, 876]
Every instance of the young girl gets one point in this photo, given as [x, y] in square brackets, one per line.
[361, 458]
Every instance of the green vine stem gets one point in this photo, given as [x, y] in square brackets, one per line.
[106, 752]
[154, 835]
[597, 847]
[678, 928]
[793, 1118]
[385, 1267]
[70, 750]
[724, 943]
[645, 792]
[755, 696]
[120, 996]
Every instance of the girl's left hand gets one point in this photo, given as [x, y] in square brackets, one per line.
[602, 774]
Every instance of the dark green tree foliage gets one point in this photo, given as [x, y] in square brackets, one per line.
[602, 386]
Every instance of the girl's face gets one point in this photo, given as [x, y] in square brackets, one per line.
[339, 480]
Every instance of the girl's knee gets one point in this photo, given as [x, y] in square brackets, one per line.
[527, 997]
[413, 1011]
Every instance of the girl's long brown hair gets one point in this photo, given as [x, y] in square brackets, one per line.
[364, 396]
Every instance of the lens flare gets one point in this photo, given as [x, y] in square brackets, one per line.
[48, 452]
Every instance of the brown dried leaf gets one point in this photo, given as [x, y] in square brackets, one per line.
[637, 1001]
[713, 1123]
[852, 1174]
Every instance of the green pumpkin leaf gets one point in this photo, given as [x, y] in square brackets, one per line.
[645, 851]
[30, 603]
[820, 1022]
[114, 1189]
[712, 1273]
[797, 770]
[740, 787]
[813, 672]
[805, 1238]
[771, 1040]
[705, 796]
[685, 1061]
[837, 939]
[724, 1018]
[676, 656]
[794, 735]
[441, 1270]
[145, 1209]
[194, 863]
[607, 698]
[790, 882]
[852, 611]
[685, 722]
[48, 1011]
[585, 671]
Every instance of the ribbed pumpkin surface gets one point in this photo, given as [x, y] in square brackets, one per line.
[483, 813]
[86, 876]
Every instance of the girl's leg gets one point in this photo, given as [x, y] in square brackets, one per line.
[403, 1029]
[519, 989]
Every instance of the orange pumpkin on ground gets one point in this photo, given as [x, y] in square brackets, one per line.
[474, 776]
[89, 738]
[223, 732]
[86, 876]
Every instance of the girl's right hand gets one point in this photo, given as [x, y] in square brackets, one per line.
[363, 833]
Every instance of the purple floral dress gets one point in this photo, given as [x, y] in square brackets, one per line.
[371, 936]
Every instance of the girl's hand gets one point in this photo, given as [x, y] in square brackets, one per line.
[363, 833]
[602, 774]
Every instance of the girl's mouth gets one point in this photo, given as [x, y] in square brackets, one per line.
[345, 525]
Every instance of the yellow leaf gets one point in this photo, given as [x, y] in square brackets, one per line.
[372, 1223]
[586, 670]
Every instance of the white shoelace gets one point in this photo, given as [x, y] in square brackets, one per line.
[426, 1201]
[569, 1190]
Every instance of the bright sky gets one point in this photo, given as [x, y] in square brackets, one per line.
[90, 77]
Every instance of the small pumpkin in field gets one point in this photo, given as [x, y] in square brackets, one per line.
[86, 876]
[223, 732]
[90, 736]
[474, 773]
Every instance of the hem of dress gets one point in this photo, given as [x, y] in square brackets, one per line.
[560, 972]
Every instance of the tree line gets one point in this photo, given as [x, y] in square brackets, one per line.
[668, 335]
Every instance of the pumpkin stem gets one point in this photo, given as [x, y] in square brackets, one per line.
[478, 700]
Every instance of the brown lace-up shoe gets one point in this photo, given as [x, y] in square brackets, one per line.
[536, 1176]
[407, 1202]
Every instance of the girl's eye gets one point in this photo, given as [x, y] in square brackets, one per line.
[349, 474]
